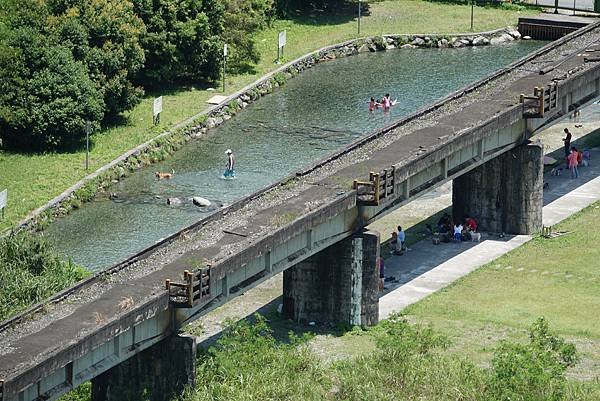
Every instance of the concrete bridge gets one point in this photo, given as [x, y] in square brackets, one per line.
[120, 328]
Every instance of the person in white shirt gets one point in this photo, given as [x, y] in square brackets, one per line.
[457, 232]
[401, 238]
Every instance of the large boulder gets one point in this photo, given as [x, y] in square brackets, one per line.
[174, 201]
[514, 33]
[364, 48]
[408, 46]
[418, 41]
[480, 41]
[504, 38]
[200, 201]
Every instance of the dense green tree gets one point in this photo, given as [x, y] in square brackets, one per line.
[242, 19]
[181, 41]
[46, 96]
[113, 53]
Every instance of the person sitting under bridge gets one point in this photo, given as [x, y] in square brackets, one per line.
[471, 224]
[458, 232]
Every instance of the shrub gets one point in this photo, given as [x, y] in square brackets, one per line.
[534, 371]
[30, 271]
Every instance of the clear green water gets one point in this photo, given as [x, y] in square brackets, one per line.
[311, 116]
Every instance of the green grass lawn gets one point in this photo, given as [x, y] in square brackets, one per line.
[33, 180]
[558, 279]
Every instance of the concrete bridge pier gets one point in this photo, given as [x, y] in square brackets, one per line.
[158, 373]
[504, 194]
[338, 285]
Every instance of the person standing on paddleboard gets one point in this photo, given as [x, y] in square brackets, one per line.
[229, 169]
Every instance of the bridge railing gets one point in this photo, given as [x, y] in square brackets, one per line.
[195, 288]
[379, 187]
[543, 101]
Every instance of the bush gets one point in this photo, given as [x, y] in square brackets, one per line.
[46, 96]
[30, 272]
[249, 363]
[533, 371]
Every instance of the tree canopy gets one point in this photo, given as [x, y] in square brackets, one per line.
[65, 62]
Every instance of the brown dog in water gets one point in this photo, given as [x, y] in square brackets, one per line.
[166, 176]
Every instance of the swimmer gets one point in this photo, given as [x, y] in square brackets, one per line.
[386, 102]
[229, 168]
[373, 104]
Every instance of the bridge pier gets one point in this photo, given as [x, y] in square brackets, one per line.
[505, 194]
[337, 285]
[158, 373]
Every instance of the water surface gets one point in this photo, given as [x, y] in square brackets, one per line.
[314, 114]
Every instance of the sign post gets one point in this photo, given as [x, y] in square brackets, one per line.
[88, 130]
[224, 64]
[281, 42]
[3, 200]
[157, 109]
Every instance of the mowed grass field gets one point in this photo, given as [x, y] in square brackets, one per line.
[557, 278]
[32, 180]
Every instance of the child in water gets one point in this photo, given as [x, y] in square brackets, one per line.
[229, 168]
[373, 104]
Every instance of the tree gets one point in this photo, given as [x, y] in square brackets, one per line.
[104, 34]
[243, 18]
[181, 41]
[46, 96]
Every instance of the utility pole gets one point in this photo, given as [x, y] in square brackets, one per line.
[224, 64]
[359, 17]
[472, 7]
[88, 129]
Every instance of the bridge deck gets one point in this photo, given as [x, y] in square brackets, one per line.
[109, 304]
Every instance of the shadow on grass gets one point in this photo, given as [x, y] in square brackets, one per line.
[329, 16]
[281, 326]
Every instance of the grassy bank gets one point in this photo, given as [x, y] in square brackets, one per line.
[31, 272]
[556, 278]
[406, 362]
[32, 180]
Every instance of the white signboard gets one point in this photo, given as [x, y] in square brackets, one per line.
[282, 39]
[3, 198]
[225, 50]
[157, 106]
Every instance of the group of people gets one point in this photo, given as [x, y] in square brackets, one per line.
[385, 103]
[574, 158]
[456, 230]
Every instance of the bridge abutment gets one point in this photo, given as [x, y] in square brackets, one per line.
[505, 194]
[337, 285]
[158, 373]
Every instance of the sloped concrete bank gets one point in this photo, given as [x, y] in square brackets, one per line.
[166, 143]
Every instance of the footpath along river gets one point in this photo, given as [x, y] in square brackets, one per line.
[314, 114]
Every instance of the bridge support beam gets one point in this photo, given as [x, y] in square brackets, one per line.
[505, 194]
[158, 373]
[337, 285]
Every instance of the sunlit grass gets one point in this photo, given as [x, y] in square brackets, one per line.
[558, 279]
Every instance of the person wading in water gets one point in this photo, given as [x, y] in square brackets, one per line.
[229, 169]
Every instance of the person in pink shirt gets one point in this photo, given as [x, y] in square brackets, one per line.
[387, 102]
[572, 159]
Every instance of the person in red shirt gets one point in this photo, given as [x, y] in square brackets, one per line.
[471, 224]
